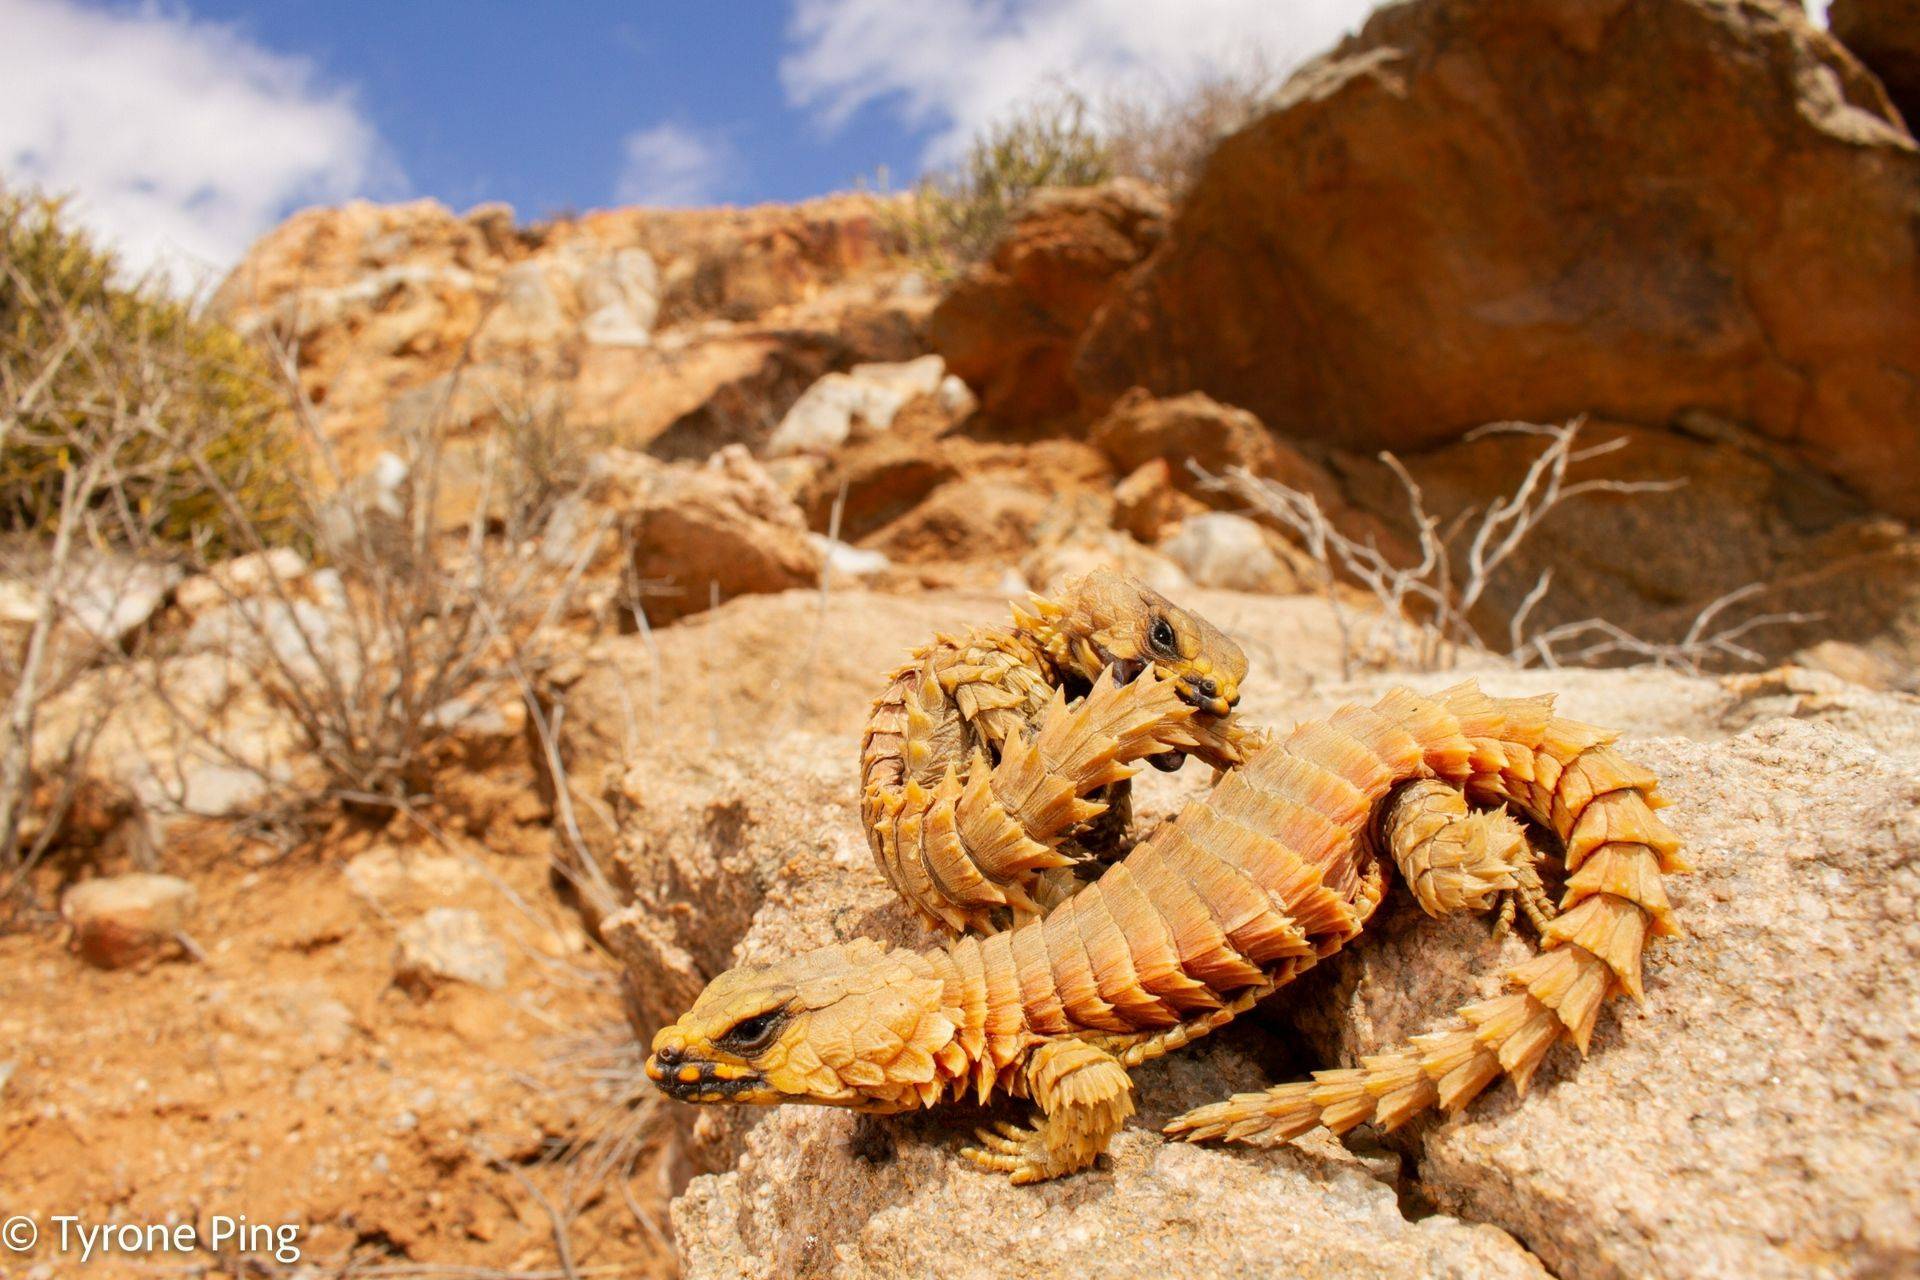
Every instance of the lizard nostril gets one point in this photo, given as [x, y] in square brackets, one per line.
[1206, 686]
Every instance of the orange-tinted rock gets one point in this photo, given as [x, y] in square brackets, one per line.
[649, 323]
[1148, 504]
[1484, 210]
[1009, 327]
[122, 921]
[1885, 34]
[683, 534]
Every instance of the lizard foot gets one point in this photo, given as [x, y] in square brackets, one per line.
[1018, 1150]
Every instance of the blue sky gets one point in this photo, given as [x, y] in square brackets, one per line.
[187, 128]
[531, 104]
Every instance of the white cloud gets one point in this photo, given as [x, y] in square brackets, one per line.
[952, 68]
[673, 165]
[181, 140]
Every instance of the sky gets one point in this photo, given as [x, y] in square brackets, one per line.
[184, 129]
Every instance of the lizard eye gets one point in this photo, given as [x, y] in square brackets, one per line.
[750, 1035]
[1161, 635]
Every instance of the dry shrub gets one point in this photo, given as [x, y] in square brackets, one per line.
[1427, 609]
[138, 435]
[954, 218]
[1163, 138]
[96, 367]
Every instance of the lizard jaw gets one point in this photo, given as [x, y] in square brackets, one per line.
[697, 1081]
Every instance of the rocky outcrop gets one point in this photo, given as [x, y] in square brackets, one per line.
[683, 536]
[644, 323]
[1010, 325]
[1523, 209]
[1755, 1118]
[1885, 34]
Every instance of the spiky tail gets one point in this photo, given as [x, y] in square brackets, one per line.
[974, 844]
[1567, 776]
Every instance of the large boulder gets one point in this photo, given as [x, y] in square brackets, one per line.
[1886, 36]
[1755, 1118]
[1758, 1116]
[1009, 326]
[1482, 210]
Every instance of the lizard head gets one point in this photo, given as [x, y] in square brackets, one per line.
[858, 1025]
[1110, 620]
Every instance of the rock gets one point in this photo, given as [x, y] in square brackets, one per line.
[829, 1194]
[122, 921]
[1193, 428]
[824, 415]
[973, 517]
[1490, 210]
[1758, 1116]
[281, 640]
[1009, 326]
[257, 573]
[844, 561]
[393, 875]
[1884, 34]
[449, 944]
[1220, 549]
[685, 533]
[1148, 503]
[641, 320]
[874, 482]
[1050, 565]
[111, 597]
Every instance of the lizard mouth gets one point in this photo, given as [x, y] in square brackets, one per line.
[695, 1081]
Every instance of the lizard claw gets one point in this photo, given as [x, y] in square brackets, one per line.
[1016, 1150]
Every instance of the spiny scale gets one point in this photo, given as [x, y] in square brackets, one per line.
[1564, 775]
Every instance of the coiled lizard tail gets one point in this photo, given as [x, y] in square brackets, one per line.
[1567, 777]
[1246, 888]
[992, 760]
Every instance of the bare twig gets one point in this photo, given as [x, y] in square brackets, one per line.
[1427, 607]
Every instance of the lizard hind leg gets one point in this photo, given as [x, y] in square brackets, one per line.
[1455, 858]
[1084, 1097]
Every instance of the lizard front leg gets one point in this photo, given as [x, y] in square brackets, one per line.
[1084, 1097]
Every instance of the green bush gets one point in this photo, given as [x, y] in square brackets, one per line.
[182, 416]
[954, 219]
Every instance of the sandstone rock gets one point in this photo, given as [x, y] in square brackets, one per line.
[1053, 563]
[641, 319]
[122, 921]
[1739, 512]
[449, 944]
[1481, 211]
[1220, 549]
[1757, 1116]
[1672, 1150]
[1884, 34]
[824, 415]
[973, 517]
[390, 875]
[256, 573]
[829, 1195]
[684, 532]
[1148, 504]
[1009, 326]
[874, 482]
[1193, 428]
